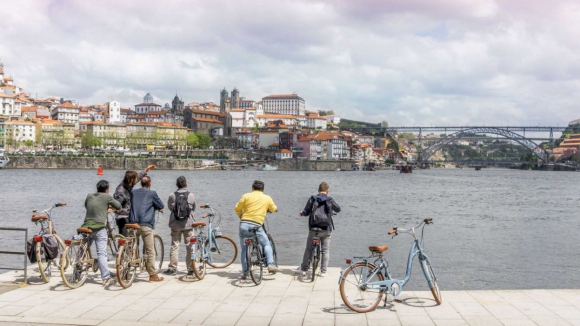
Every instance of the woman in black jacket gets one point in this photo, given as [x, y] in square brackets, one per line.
[123, 195]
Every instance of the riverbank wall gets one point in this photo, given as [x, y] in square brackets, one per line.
[162, 163]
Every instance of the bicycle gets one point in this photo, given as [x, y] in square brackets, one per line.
[77, 259]
[363, 279]
[222, 250]
[255, 256]
[46, 227]
[128, 258]
[214, 249]
[113, 242]
[315, 252]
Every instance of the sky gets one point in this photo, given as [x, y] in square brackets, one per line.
[422, 62]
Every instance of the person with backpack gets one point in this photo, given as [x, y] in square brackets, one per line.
[319, 210]
[97, 205]
[181, 203]
[123, 196]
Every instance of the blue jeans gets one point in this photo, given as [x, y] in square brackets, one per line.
[246, 231]
[100, 239]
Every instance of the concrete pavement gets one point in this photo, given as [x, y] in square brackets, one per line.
[282, 299]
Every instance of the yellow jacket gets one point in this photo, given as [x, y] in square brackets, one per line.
[253, 207]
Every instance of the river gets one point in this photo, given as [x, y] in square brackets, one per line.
[494, 228]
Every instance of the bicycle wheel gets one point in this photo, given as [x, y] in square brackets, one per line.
[159, 252]
[315, 260]
[223, 253]
[198, 262]
[44, 265]
[432, 281]
[113, 247]
[254, 260]
[274, 253]
[74, 272]
[126, 270]
[354, 290]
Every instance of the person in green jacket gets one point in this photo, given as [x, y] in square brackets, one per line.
[97, 206]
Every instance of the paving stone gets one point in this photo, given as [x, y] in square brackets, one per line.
[161, 315]
[223, 318]
[253, 321]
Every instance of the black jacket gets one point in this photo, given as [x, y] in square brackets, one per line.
[307, 211]
[123, 196]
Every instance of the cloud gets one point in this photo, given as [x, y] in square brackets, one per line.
[408, 62]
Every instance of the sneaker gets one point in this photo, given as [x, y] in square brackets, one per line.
[155, 278]
[189, 273]
[273, 269]
[170, 271]
[322, 274]
[302, 273]
[107, 282]
[245, 276]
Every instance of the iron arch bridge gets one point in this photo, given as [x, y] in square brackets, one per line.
[527, 143]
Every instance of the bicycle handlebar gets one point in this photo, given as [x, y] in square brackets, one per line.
[396, 230]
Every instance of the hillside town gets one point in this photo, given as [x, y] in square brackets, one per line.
[277, 122]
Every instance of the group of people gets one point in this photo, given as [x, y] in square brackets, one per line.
[139, 206]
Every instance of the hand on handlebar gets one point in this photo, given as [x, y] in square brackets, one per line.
[160, 211]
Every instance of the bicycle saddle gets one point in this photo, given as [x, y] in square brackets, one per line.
[133, 226]
[38, 217]
[196, 224]
[378, 248]
[316, 229]
[84, 230]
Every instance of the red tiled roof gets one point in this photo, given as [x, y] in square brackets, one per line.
[207, 120]
[67, 105]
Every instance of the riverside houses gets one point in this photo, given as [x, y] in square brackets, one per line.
[53, 134]
[110, 135]
[324, 146]
[66, 113]
[18, 132]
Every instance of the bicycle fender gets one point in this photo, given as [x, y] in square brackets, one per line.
[343, 271]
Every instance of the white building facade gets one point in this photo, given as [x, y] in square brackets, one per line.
[113, 110]
[291, 104]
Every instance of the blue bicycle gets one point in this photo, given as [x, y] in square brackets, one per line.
[363, 283]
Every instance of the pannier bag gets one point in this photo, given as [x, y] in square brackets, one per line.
[50, 246]
[31, 250]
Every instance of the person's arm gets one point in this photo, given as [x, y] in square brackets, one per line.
[157, 202]
[191, 202]
[272, 207]
[240, 206]
[86, 200]
[307, 209]
[114, 203]
[335, 206]
[171, 201]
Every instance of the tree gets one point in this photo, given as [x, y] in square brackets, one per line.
[29, 143]
[256, 128]
[89, 141]
[203, 139]
[406, 135]
[192, 140]
[384, 124]
[322, 112]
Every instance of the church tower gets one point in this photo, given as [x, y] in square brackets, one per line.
[235, 99]
[177, 105]
[223, 98]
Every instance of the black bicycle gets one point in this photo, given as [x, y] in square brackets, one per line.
[255, 256]
[315, 252]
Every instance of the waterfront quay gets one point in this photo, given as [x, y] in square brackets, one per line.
[221, 298]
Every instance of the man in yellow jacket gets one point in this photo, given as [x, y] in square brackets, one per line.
[252, 209]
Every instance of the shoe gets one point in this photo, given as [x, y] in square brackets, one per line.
[322, 274]
[189, 273]
[273, 269]
[245, 276]
[302, 273]
[155, 278]
[107, 282]
[170, 271]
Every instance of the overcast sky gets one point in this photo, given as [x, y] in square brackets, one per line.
[425, 62]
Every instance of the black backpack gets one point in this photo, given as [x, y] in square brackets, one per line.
[181, 208]
[321, 213]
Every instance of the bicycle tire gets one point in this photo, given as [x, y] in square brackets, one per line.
[198, 262]
[274, 253]
[315, 260]
[44, 265]
[126, 272]
[352, 288]
[222, 256]
[254, 261]
[435, 286]
[159, 252]
[113, 246]
[73, 273]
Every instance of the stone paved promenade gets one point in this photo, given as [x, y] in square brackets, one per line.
[284, 299]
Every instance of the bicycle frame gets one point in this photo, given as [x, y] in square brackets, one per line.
[46, 226]
[387, 284]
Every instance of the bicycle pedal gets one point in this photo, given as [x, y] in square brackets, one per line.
[398, 301]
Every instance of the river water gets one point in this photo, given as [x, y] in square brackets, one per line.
[494, 228]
